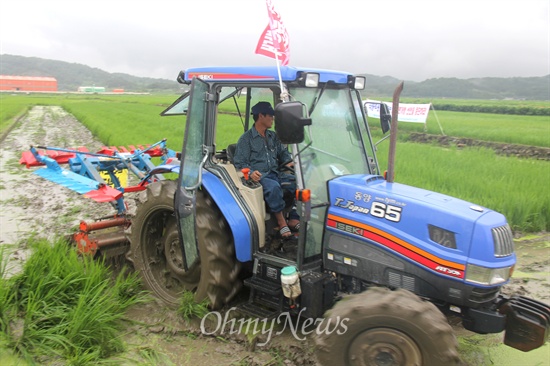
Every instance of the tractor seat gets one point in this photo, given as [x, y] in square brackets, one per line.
[288, 196]
[231, 148]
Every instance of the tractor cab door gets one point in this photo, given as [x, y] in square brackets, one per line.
[193, 158]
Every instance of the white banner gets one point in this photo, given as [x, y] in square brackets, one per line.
[417, 113]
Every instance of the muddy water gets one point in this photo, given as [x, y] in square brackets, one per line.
[531, 278]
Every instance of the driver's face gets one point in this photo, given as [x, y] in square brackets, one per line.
[265, 120]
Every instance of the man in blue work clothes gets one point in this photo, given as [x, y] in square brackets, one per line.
[261, 150]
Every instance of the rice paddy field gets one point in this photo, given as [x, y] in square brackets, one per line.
[516, 187]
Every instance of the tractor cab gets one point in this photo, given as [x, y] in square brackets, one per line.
[218, 106]
[318, 116]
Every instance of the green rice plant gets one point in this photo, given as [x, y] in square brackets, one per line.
[3, 261]
[12, 106]
[153, 357]
[67, 307]
[10, 109]
[128, 123]
[4, 294]
[512, 129]
[515, 187]
[189, 308]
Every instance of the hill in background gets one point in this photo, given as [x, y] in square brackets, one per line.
[532, 88]
[72, 75]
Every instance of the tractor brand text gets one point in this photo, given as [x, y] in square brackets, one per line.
[377, 209]
[449, 271]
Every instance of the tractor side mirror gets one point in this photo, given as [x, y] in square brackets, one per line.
[290, 122]
[385, 118]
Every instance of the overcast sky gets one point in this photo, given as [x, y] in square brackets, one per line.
[407, 39]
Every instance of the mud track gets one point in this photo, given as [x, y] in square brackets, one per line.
[32, 206]
[520, 151]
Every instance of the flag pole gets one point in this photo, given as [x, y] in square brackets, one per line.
[284, 94]
[275, 43]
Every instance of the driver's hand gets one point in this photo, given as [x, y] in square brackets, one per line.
[255, 176]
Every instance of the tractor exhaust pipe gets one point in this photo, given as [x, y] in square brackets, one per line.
[390, 174]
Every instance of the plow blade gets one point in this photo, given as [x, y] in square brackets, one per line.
[68, 179]
[80, 184]
[527, 323]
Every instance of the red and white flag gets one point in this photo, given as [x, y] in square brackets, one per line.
[274, 40]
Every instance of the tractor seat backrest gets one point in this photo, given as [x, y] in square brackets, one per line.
[231, 148]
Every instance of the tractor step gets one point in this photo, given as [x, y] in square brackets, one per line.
[257, 311]
[267, 287]
[266, 298]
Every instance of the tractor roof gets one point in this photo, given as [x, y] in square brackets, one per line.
[259, 73]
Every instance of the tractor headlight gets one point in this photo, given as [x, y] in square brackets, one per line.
[357, 82]
[487, 276]
[311, 80]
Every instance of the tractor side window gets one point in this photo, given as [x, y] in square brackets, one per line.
[231, 117]
[262, 94]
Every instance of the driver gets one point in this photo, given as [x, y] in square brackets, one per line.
[261, 150]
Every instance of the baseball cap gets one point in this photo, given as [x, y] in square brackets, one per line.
[263, 108]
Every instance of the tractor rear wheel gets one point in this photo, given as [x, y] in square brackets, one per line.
[156, 250]
[385, 327]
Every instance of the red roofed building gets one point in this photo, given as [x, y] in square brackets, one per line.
[27, 83]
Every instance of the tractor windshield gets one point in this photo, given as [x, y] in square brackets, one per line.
[338, 142]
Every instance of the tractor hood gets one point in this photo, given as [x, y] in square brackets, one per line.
[440, 232]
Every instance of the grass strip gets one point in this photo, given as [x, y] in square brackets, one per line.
[65, 307]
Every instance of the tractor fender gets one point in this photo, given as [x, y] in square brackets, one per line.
[233, 213]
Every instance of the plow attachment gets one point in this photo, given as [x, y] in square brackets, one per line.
[103, 177]
[62, 156]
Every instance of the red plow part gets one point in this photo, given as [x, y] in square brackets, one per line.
[88, 239]
[61, 157]
[154, 152]
[104, 194]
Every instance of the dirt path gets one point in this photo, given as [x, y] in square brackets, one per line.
[30, 205]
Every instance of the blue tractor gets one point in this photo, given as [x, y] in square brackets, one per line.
[391, 258]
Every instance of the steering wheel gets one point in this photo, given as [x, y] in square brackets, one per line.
[284, 167]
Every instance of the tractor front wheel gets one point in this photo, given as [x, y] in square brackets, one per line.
[383, 327]
[156, 250]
